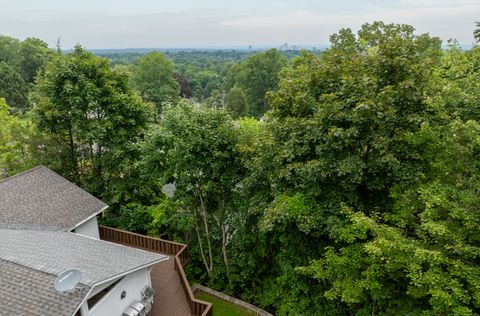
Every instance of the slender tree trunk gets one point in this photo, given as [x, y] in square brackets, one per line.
[200, 243]
[99, 169]
[73, 153]
[207, 232]
[92, 155]
[224, 251]
[224, 236]
[97, 158]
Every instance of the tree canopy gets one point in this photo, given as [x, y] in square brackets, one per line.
[341, 182]
[94, 115]
[153, 77]
[20, 61]
[258, 75]
[237, 102]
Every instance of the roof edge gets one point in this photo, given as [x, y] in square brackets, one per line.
[23, 172]
[116, 277]
[88, 218]
[130, 271]
[165, 257]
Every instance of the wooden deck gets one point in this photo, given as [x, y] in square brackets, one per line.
[173, 295]
[169, 295]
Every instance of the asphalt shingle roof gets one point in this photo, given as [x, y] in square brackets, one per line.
[56, 252]
[38, 208]
[24, 291]
[40, 199]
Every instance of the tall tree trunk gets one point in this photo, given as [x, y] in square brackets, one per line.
[200, 243]
[224, 236]
[207, 232]
[99, 168]
[73, 155]
[224, 251]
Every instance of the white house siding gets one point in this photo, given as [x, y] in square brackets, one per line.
[89, 228]
[112, 304]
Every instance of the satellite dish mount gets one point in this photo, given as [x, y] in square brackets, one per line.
[67, 280]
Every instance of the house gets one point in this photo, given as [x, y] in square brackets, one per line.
[49, 233]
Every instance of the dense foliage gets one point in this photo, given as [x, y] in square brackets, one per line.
[20, 61]
[153, 78]
[256, 76]
[340, 183]
[15, 155]
[94, 117]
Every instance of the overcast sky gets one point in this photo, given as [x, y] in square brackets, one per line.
[224, 23]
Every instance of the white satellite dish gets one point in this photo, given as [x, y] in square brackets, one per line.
[67, 280]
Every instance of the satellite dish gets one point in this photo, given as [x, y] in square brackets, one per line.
[67, 280]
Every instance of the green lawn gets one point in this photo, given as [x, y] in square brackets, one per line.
[223, 308]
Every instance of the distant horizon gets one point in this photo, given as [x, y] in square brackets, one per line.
[233, 47]
[217, 47]
[118, 24]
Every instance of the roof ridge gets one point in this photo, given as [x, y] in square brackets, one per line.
[33, 269]
[23, 172]
[40, 197]
[54, 252]
[122, 246]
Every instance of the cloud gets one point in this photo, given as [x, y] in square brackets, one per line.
[224, 27]
[297, 19]
[437, 3]
[446, 20]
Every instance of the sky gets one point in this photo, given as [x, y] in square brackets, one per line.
[224, 23]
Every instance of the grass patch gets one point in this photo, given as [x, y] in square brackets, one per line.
[223, 308]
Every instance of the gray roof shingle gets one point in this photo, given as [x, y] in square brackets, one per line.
[40, 199]
[38, 208]
[24, 291]
[55, 252]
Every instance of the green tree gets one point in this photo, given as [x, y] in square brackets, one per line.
[258, 75]
[206, 82]
[237, 102]
[153, 78]
[15, 142]
[455, 83]
[196, 148]
[420, 257]
[339, 144]
[91, 111]
[19, 64]
[33, 55]
[9, 50]
[12, 87]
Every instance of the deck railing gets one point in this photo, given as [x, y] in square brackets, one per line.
[177, 250]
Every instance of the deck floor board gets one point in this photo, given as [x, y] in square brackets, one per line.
[169, 299]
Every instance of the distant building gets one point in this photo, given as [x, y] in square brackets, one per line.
[283, 47]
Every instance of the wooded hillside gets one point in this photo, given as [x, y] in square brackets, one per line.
[344, 182]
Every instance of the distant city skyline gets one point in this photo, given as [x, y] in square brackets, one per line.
[98, 24]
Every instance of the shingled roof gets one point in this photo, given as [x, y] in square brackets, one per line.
[40, 199]
[54, 252]
[31, 260]
[25, 291]
[38, 209]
